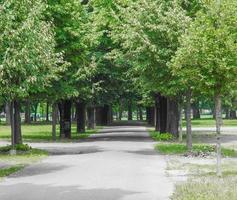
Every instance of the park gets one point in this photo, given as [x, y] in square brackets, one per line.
[118, 99]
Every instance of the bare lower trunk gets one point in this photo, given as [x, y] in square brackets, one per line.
[162, 115]
[188, 121]
[54, 120]
[35, 113]
[233, 114]
[218, 132]
[157, 114]
[129, 111]
[173, 117]
[81, 116]
[47, 112]
[180, 124]
[140, 114]
[91, 117]
[7, 111]
[27, 112]
[196, 110]
[65, 118]
[16, 137]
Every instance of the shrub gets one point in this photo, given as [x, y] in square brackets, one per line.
[18, 147]
[161, 136]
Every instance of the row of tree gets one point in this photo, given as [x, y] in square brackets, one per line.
[162, 53]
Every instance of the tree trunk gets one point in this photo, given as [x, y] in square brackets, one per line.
[16, 137]
[35, 112]
[140, 113]
[218, 132]
[7, 111]
[180, 124]
[227, 113]
[81, 116]
[65, 118]
[233, 114]
[196, 111]
[91, 117]
[130, 110]
[27, 112]
[54, 120]
[188, 121]
[47, 112]
[163, 114]
[173, 117]
[157, 113]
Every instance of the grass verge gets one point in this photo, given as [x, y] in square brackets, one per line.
[25, 155]
[198, 149]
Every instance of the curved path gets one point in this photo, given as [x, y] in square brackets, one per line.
[118, 163]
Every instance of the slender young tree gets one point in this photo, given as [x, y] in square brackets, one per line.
[207, 59]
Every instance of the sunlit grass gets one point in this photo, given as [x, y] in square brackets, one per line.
[42, 132]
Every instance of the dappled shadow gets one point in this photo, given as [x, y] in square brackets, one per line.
[73, 150]
[128, 123]
[146, 152]
[125, 138]
[130, 131]
[39, 169]
[27, 191]
[211, 138]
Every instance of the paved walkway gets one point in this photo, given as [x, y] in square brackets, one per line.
[117, 164]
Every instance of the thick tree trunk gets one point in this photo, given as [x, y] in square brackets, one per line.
[81, 116]
[54, 120]
[233, 114]
[130, 110]
[163, 114]
[47, 112]
[227, 113]
[7, 111]
[157, 113]
[173, 117]
[180, 124]
[65, 118]
[196, 111]
[140, 113]
[218, 132]
[91, 117]
[16, 137]
[188, 121]
[27, 112]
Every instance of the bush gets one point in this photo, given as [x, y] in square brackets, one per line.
[161, 136]
[18, 147]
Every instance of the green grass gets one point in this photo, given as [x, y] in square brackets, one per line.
[206, 188]
[10, 170]
[41, 132]
[208, 122]
[155, 135]
[173, 148]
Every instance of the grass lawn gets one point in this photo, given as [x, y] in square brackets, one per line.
[198, 149]
[41, 132]
[208, 122]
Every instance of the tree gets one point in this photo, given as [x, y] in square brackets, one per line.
[207, 58]
[28, 61]
[148, 33]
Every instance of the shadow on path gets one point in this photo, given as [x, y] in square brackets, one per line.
[25, 191]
